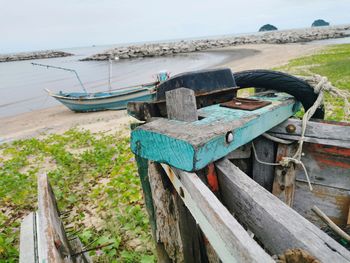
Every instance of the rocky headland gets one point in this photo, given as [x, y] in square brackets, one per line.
[173, 48]
[320, 22]
[267, 27]
[34, 55]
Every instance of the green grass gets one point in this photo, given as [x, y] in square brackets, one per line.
[334, 63]
[94, 178]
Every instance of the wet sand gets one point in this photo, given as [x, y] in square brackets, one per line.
[59, 119]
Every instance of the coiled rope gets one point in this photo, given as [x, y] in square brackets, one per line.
[320, 85]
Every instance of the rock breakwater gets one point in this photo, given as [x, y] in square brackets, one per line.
[34, 55]
[173, 48]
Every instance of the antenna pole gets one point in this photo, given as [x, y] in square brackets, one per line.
[110, 74]
[66, 69]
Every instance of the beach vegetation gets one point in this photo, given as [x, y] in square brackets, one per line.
[95, 180]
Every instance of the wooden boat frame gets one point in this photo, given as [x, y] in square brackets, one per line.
[194, 181]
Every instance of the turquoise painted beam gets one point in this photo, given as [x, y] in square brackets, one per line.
[190, 146]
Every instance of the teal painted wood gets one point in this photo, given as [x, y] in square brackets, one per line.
[191, 146]
[142, 165]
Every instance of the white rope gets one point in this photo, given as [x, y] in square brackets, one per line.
[259, 161]
[285, 162]
[276, 139]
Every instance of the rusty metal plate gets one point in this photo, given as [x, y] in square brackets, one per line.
[245, 104]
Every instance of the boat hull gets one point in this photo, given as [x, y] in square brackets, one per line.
[113, 102]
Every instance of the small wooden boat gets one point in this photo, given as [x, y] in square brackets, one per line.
[116, 99]
[109, 100]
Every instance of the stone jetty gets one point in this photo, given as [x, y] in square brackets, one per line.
[34, 55]
[173, 48]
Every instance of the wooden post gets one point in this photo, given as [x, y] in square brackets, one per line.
[176, 230]
[181, 105]
[263, 174]
[284, 181]
[275, 224]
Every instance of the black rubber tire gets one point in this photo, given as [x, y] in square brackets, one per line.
[275, 80]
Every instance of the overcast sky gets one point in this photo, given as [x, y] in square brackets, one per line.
[45, 24]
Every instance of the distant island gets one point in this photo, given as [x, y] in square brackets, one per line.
[320, 22]
[267, 27]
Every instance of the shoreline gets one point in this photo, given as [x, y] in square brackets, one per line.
[59, 119]
[189, 46]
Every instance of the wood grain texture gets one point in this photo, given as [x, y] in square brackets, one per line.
[181, 105]
[229, 239]
[264, 174]
[191, 146]
[275, 224]
[327, 165]
[27, 240]
[322, 132]
[167, 217]
[53, 242]
[284, 179]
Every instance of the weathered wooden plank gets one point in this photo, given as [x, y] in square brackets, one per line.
[181, 105]
[191, 146]
[28, 240]
[326, 165]
[264, 174]
[229, 239]
[167, 232]
[322, 132]
[53, 242]
[275, 224]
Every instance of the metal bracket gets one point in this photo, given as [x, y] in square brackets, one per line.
[245, 104]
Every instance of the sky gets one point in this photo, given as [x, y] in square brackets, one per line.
[27, 25]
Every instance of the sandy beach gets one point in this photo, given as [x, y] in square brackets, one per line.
[59, 119]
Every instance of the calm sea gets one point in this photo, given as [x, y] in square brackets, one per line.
[22, 86]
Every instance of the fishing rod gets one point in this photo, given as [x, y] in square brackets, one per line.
[66, 69]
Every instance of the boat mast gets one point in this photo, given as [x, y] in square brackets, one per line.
[110, 72]
[67, 69]
[110, 75]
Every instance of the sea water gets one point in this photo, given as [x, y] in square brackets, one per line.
[22, 85]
